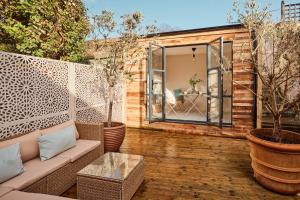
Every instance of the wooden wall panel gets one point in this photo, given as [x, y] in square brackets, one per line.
[242, 111]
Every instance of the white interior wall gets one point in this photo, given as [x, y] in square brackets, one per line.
[180, 69]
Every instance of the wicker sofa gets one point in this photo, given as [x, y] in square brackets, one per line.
[58, 174]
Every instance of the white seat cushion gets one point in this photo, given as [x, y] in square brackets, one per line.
[35, 170]
[30, 196]
[82, 147]
[4, 190]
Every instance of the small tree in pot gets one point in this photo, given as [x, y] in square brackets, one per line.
[275, 57]
[117, 48]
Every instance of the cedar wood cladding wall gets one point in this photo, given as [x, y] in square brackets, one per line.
[243, 100]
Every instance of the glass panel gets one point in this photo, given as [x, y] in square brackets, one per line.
[147, 89]
[157, 95]
[215, 57]
[157, 83]
[214, 54]
[213, 83]
[157, 107]
[214, 110]
[227, 110]
[147, 107]
[227, 83]
[147, 94]
[115, 166]
[227, 57]
[157, 58]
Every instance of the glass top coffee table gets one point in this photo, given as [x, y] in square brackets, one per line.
[111, 176]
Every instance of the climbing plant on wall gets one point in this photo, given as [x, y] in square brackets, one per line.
[45, 28]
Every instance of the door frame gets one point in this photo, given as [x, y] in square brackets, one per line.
[192, 121]
[150, 73]
[219, 70]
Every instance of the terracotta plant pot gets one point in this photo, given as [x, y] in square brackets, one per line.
[114, 136]
[276, 166]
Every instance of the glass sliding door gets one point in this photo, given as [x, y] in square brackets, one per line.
[215, 82]
[156, 83]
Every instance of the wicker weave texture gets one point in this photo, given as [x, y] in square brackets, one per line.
[133, 181]
[62, 179]
[96, 189]
[84, 161]
[99, 189]
[91, 131]
[38, 187]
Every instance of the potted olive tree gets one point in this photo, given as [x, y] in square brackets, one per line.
[275, 57]
[117, 48]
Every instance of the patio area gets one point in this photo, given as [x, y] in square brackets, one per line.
[180, 166]
[102, 105]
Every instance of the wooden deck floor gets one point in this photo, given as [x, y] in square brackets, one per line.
[179, 166]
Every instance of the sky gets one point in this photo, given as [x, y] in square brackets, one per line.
[178, 14]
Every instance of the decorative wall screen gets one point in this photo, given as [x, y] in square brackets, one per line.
[37, 93]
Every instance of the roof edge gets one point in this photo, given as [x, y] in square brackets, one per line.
[197, 30]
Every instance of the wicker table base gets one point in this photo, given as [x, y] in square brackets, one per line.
[112, 176]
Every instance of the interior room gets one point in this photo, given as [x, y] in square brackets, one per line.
[186, 83]
[190, 83]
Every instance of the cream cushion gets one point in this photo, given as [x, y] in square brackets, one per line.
[82, 147]
[4, 190]
[60, 126]
[35, 170]
[15, 195]
[29, 148]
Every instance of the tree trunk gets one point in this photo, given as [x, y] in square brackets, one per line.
[110, 106]
[109, 117]
[277, 128]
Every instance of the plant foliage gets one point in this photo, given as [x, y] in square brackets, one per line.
[275, 56]
[46, 28]
[118, 46]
